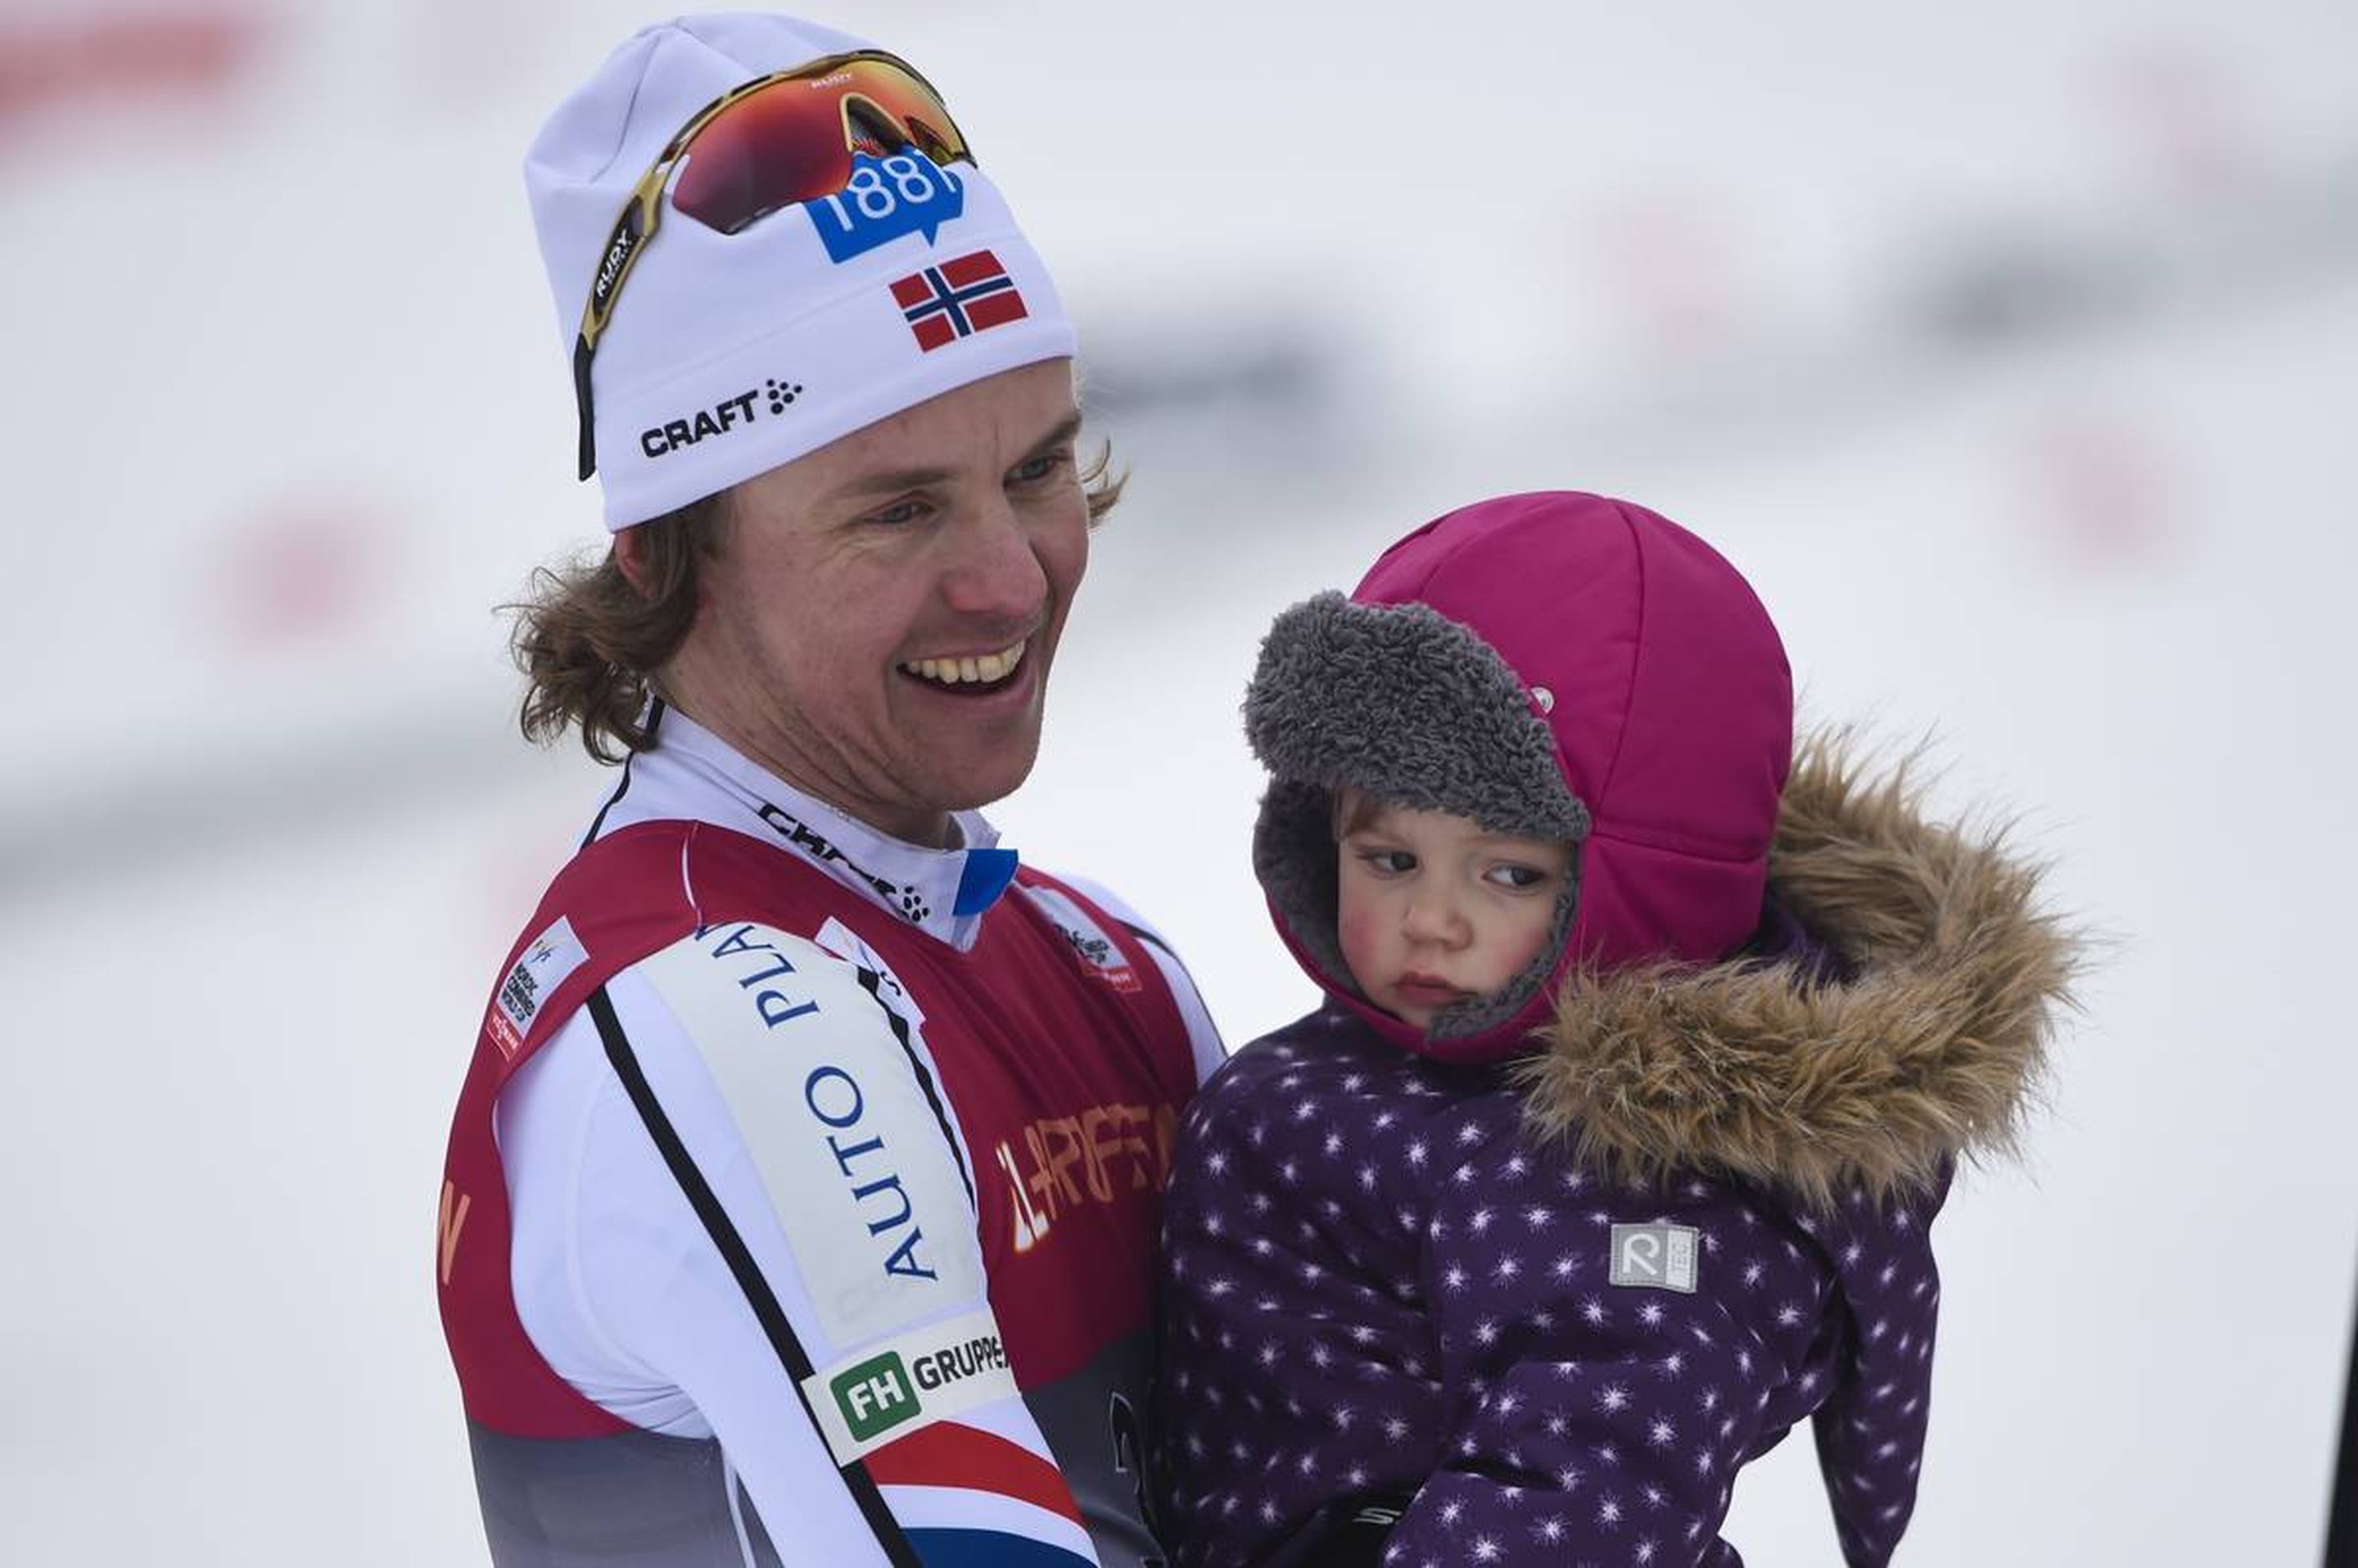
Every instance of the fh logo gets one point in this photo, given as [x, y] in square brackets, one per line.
[874, 1396]
[1657, 1257]
[897, 1387]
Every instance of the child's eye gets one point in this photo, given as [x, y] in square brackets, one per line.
[1522, 879]
[1389, 862]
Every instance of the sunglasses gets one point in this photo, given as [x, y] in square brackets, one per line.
[777, 141]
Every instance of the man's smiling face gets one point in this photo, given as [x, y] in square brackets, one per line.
[881, 622]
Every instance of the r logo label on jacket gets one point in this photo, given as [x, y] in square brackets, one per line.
[1657, 1257]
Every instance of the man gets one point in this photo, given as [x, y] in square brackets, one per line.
[802, 1197]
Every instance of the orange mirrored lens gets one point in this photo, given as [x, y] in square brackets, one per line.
[794, 140]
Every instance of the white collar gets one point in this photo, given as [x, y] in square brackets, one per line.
[690, 774]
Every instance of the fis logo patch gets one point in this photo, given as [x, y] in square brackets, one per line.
[886, 197]
[543, 967]
[957, 298]
[1655, 1257]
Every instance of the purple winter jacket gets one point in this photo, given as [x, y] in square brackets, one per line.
[1395, 1283]
[1541, 1276]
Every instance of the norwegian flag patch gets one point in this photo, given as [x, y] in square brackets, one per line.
[957, 298]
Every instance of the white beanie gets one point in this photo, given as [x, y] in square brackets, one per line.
[728, 355]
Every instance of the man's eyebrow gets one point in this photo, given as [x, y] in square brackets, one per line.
[1062, 434]
[887, 481]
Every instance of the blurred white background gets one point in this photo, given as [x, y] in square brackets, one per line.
[2004, 347]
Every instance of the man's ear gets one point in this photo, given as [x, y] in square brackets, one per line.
[631, 558]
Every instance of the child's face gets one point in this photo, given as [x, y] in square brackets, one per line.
[1435, 908]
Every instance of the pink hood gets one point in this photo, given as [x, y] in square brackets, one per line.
[1664, 691]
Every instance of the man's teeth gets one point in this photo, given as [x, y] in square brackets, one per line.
[982, 669]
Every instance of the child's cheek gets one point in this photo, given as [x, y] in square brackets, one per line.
[1356, 930]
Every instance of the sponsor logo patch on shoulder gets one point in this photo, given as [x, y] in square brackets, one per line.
[543, 967]
[1655, 1257]
[886, 1392]
[1087, 938]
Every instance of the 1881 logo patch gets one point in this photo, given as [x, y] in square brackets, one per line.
[906, 193]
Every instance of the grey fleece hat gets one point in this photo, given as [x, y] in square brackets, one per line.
[1406, 705]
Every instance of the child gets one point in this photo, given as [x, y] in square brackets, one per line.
[1641, 1075]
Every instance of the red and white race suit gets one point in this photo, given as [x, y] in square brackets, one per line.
[802, 1199]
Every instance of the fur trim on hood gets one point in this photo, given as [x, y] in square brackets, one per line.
[1930, 1051]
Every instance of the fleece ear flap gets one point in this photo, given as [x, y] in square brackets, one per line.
[1294, 857]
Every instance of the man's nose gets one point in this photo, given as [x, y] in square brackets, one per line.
[996, 572]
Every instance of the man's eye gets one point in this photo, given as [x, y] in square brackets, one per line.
[1032, 470]
[899, 514]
